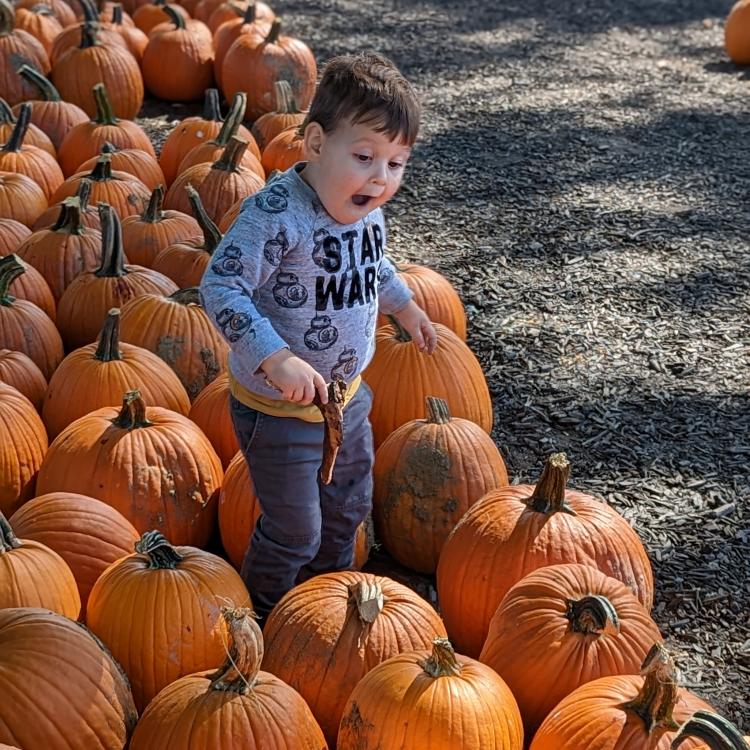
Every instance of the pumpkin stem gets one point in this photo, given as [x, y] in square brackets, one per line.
[7, 18]
[90, 12]
[248, 16]
[231, 155]
[83, 192]
[716, 731]
[69, 218]
[189, 296]
[117, 14]
[109, 339]
[233, 120]
[89, 36]
[102, 170]
[402, 334]
[593, 615]
[239, 672]
[153, 213]
[549, 494]
[6, 113]
[8, 540]
[285, 103]
[161, 554]
[176, 18]
[442, 661]
[47, 90]
[113, 257]
[211, 234]
[133, 413]
[367, 597]
[438, 411]
[10, 269]
[19, 131]
[211, 108]
[273, 34]
[104, 112]
[657, 698]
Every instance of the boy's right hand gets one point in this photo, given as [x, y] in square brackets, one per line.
[296, 380]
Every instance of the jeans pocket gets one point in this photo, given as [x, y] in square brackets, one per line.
[247, 422]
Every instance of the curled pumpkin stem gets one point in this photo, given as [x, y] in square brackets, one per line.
[239, 672]
[161, 554]
[442, 661]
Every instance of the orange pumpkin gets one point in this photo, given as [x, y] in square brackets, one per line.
[24, 327]
[88, 214]
[61, 10]
[145, 236]
[21, 198]
[622, 712]
[242, 22]
[23, 443]
[70, 39]
[427, 474]
[133, 161]
[33, 137]
[718, 732]
[737, 33]
[231, 216]
[151, 14]
[328, 632]
[35, 575]
[85, 141]
[567, 625]
[177, 329]
[64, 679]
[453, 700]
[40, 22]
[210, 411]
[452, 373]
[286, 114]
[135, 40]
[32, 287]
[85, 302]
[284, 150]
[238, 705]
[224, 11]
[12, 234]
[513, 531]
[156, 637]
[17, 370]
[98, 374]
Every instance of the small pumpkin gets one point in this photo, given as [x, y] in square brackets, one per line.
[228, 22]
[135, 40]
[21, 198]
[12, 234]
[237, 705]
[151, 14]
[284, 150]
[158, 638]
[286, 114]
[17, 370]
[453, 700]
[717, 732]
[230, 11]
[737, 33]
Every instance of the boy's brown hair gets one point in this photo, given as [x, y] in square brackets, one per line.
[368, 89]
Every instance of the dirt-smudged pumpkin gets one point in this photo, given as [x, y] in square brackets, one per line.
[158, 611]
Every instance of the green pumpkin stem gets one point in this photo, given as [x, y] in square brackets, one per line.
[367, 597]
[239, 672]
[211, 234]
[104, 112]
[438, 411]
[90, 12]
[132, 416]
[211, 108]
[108, 349]
[657, 698]
[113, 256]
[273, 35]
[7, 18]
[153, 213]
[593, 615]
[47, 90]
[6, 113]
[402, 334]
[549, 494]
[8, 540]
[15, 142]
[10, 269]
[69, 218]
[176, 18]
[442, 661]
[233, 120]
[89, 36]
[102, 170]
[161, 554]
[231, 156]
[716, 731]
[285, 103]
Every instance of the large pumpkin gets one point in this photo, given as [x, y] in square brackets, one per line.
[432, 698]
[177, 329]
[97, 375]
[33, 575]
[87, 533]
[622, 712]
[328, 632]
[561, 627]
[68, 692]
[451, 372]
[17, 370]
[236, 706]
[427, 474]
[120, 458]
[514, 530]
[159, 612]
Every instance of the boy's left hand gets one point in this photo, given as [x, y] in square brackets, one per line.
[415, 322]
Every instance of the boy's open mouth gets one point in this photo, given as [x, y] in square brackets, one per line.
[361, 200]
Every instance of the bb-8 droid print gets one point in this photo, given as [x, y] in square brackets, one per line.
[321, 335]
[228, 263]
[346, 365]
[288, 292]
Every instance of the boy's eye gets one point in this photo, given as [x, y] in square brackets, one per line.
[362, 157]
[395, 165]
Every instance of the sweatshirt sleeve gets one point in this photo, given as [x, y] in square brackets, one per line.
[247, 256]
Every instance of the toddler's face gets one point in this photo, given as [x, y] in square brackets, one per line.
[357, 170]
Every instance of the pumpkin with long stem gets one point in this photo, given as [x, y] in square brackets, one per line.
[135, 40]
[32, 287]
[63, 678]
[151, 14]
[23, 443]
[286, 114]
[145, 236]
[715, 731]
[17, 370]
[88, 214]
[434, 698]
[24, 327]
[177, 329]
[49, 112]
[567, 625]
[158, 612]
[12, 234]
[85, 302]
[235, 22]
[33, 136]
[97, 375]
[40, 22]
[515, 530]
[86, 140]
[236, 706]
[133, 161]
[427, 474]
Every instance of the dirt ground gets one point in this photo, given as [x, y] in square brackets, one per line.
[582, 178]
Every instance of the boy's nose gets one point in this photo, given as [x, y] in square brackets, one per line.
[379, 173]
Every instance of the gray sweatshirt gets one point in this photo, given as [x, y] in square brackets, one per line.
[287, 274]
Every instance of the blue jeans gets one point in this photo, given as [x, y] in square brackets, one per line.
[305, 527]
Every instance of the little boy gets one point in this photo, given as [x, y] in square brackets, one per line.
[295, 287]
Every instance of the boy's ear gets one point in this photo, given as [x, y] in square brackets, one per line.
[314, 138]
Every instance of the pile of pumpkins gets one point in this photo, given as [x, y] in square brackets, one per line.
[120, 469]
